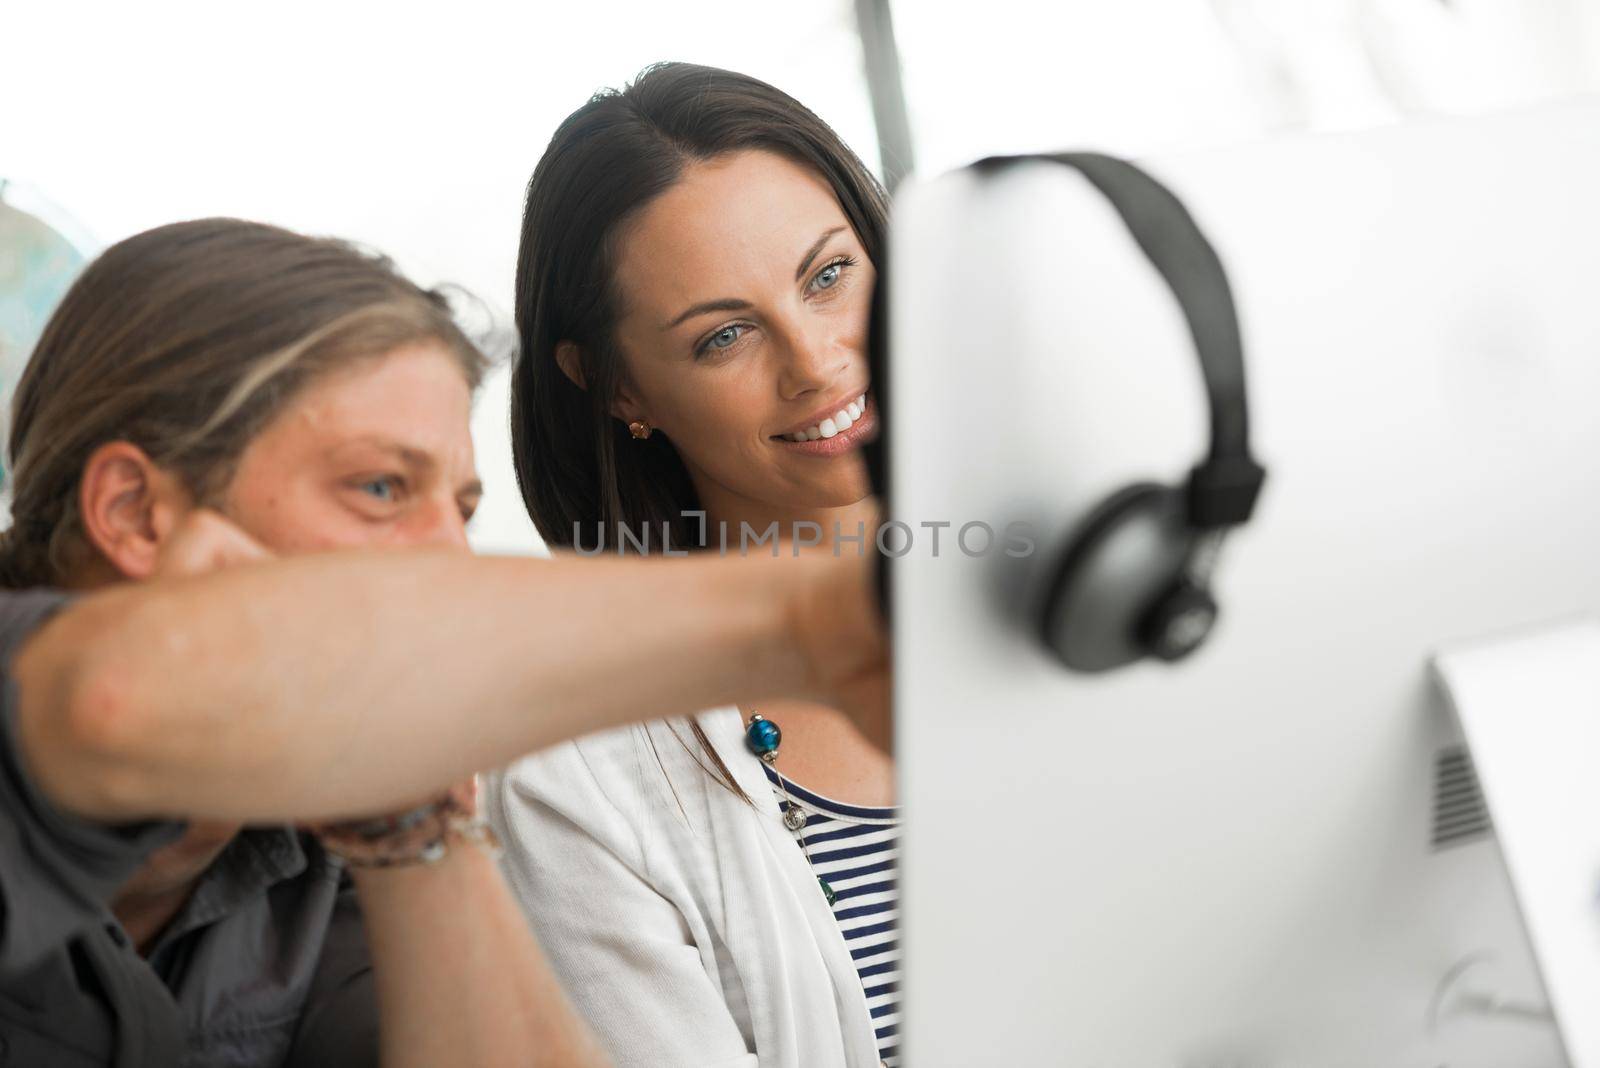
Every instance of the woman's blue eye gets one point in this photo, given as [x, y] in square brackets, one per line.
[832, 273]
[724, 337]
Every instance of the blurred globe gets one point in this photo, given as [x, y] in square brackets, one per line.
[41, 252]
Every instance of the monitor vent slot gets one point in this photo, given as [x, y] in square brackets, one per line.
[1460, 814]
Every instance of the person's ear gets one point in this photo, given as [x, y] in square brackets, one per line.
[570, 360]
[624, 406]
[129, 507]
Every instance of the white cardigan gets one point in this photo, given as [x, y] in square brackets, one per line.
[686, 925]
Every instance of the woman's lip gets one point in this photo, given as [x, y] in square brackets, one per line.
[859, 431]
[862, 398]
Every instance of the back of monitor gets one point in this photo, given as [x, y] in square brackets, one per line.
[1242, 860]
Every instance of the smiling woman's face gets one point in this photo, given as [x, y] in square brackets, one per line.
[744, 300]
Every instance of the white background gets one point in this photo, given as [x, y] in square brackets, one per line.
[414, 127]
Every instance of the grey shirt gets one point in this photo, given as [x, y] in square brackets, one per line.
[266, 964]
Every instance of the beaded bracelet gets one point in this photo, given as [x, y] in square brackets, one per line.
[417, 836]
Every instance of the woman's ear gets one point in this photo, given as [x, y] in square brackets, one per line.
[129, 507]
[570, 360]
[624, 405]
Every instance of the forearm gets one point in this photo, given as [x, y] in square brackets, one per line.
[460, 978]
[343, 684]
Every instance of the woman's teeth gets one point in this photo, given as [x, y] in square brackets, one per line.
[843, 419]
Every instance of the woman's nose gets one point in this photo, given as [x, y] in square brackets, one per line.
[816, 358]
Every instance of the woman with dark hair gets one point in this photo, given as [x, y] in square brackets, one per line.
[696, 269]
[236, 820]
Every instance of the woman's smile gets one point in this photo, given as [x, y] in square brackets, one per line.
[834, 431]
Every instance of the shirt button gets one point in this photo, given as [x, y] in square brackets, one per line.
[117, 935]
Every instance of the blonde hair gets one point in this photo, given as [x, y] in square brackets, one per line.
[186, 340]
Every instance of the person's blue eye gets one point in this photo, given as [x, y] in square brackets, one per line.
[385, 489]
[723, 338]
[830, 274]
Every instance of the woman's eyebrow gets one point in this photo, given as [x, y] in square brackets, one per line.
[735, 304]
[811, 254]
[725, 304]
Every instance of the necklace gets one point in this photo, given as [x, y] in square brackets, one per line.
[762, 736]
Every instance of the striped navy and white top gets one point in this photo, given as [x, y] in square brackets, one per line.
[855, 849]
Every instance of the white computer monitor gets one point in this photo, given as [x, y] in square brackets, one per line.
[1233, 861]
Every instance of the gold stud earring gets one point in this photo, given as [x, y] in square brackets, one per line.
[639, 429]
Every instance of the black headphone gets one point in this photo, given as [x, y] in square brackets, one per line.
[1134, 579]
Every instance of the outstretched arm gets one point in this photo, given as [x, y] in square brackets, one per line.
[343, 684]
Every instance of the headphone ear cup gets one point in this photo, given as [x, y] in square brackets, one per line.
[1178, 622]
[1121, 564]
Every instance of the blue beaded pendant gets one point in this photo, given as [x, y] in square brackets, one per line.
[763, 736]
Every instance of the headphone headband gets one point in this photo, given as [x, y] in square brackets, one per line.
[1222, 489]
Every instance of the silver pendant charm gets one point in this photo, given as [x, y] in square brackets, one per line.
[794, 819]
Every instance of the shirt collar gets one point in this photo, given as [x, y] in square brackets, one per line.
[254, 861]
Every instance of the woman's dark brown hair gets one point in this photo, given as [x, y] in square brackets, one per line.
[577, 465]
[186, 341]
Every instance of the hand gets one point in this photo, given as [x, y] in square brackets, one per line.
[843, 638]
[205, 541]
